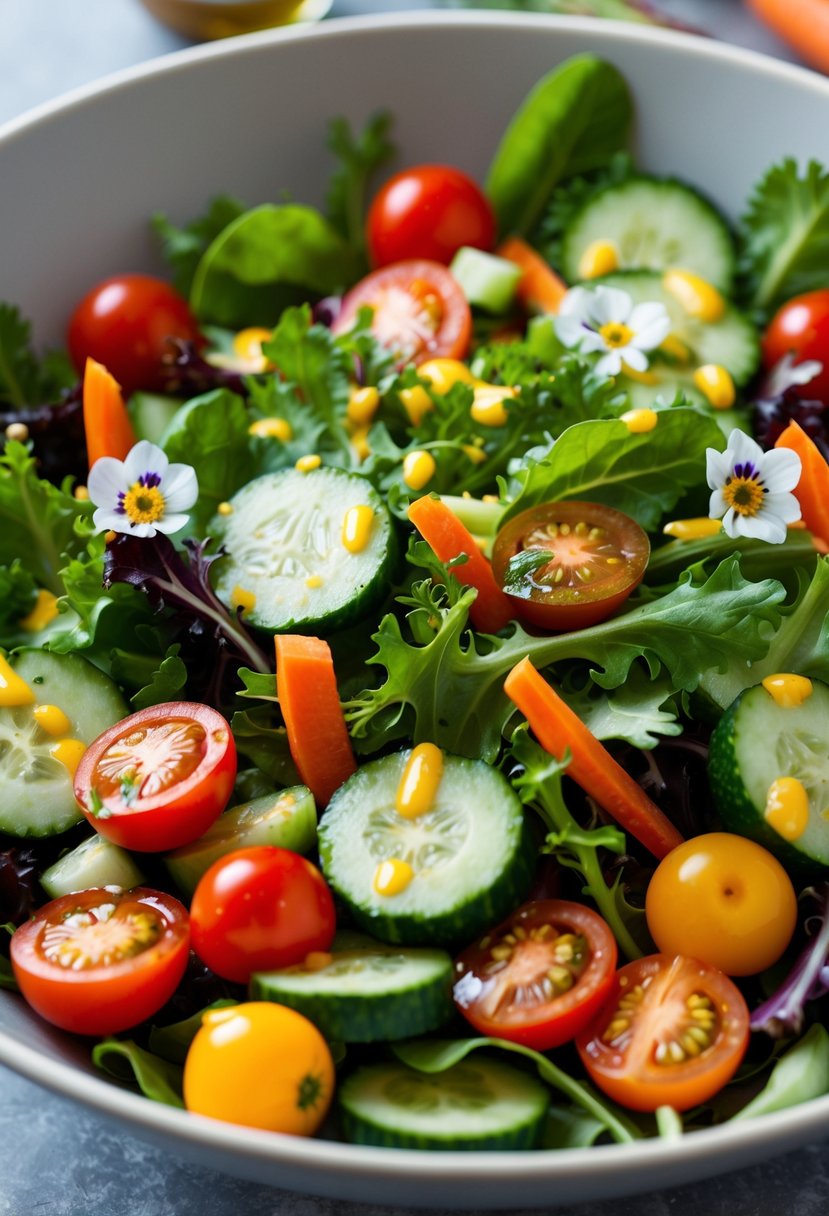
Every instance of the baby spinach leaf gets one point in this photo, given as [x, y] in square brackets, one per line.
[156, 1078]
[801, 1074]
[572, 121]
[241, 276]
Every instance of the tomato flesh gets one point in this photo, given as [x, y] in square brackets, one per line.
[100, 961]
[672, 1033]
[126, 322]
[428, 211]
[158, 779]
[260, 909]
[419, 311]
[540, 977]
[588, 560]
[801, 328]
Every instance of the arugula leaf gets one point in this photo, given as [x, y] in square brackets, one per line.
[572, 121]
[183, 247]
[643, 475]
[359, 158]
[211, 434]
[26, 380]
[785, 233]
[156, 1078]
[242, 275]
[447, 687]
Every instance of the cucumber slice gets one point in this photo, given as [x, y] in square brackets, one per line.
[287, 819]
[151, 414]
[755, 742]
[732, 342]
[36, 797]
[471, 854]
[94, 863]
[654, 223]
[487, 281]
[285, 547]
[368, 993]
[472, 1105]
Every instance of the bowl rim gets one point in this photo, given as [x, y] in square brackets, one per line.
[777, 1132]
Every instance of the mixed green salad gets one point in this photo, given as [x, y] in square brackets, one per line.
[414, 681]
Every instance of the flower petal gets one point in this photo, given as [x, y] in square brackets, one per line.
[610, 304]
[784, 506]
[653, 334]
[717, 505]
[107, 520]
[781, 470]
[569, 330]
[728, 523]
[742, 449]
[717, 467]
[143, 531]
[644, 315]
[761, 527]
[144, 457]
[609, 364]
[106, 481]
[633, 357]
[169, 524]
[180, 488]
[576, 303]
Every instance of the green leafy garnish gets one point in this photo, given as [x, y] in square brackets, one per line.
[801, 1074]
[359, 158]
[25, 379]
[183, 247]
[156, 1078]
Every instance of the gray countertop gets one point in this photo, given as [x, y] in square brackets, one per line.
[61, 1160]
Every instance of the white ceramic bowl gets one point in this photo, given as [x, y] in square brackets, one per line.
[78, 180]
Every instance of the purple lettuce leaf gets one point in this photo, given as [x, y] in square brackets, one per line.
[784, 1011]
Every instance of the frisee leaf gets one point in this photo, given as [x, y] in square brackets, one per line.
[640, 711]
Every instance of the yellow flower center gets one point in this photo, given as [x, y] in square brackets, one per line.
[616, 334]
[744, 495]
[143, 504]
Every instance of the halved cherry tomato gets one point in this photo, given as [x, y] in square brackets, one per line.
[540, 977]
[673, 1033]
[420, 311]
[428, 211]
[259, 909]
[801, 328]
[126, 322]
[583, 561]
[159, 778]
[102, 960]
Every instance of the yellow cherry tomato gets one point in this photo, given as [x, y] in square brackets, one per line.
[261, 1065]
[724, 900]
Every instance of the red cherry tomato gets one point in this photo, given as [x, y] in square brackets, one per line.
[259, 909]
[801, 328]
[99, 961]
[125, 323]
[419, 311]
[428, 211]
[596, 556]
[158, 779]
[540, 977]
[673, 1033]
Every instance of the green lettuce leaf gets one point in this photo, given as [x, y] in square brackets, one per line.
[183, 247]
[156, 1078]
[801, 1074]
[640, 711]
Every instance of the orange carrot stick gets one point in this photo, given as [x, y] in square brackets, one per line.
[306, 687]
[105, 419]
[447, 537]
[812, 491]
[539, 289]
[558, 729]
[804, 24]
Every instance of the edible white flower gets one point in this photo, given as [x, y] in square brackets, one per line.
[604, 319]
[752, 488]
[143, 494]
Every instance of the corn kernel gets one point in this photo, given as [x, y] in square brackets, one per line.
[43, 613]
[392, 876]
[488, 408]
[645, 377]
[787, 807]
[363, 404]
[51, 719]
[241, 598]
[272, 428]
[13, 689]
[313, 581]
[307, 464]
[676, 349]
[80, 494]
[697, 296]
[420, 780]
[716, 385]
[788, 690]
[600, 257]
[417, 403]
[356, 530]
[360, 444]
[247, 344]
[693, 529]
[418, 469]
[68, 752]
[638, 422]
[476, 455]
[443, 373]
[225, 508]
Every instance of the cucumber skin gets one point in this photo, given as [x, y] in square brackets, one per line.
[353, 1019]
[735, 808]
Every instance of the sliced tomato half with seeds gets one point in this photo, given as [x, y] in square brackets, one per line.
[673, 1034]
[418, 310]
[158, 779]
[540, 977]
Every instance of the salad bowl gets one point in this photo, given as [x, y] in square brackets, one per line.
[80, 179]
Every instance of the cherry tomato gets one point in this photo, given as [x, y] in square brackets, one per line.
[159, 778]
[125, 323]
[672, 1034]
[428, 211]
[102, 960]
[724, 900]
[801, 328]
[259, 909]
[260, 1065]
[540, 977]
[419, 311]
[591, 558]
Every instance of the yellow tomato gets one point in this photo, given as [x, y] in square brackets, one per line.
[724, 900]
[261, 1065]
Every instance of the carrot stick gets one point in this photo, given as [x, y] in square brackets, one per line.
[447, 537]
[812, 491]
[539, 289]
[804, 24]
[558, 729]
[317, 734]
[105, 419]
